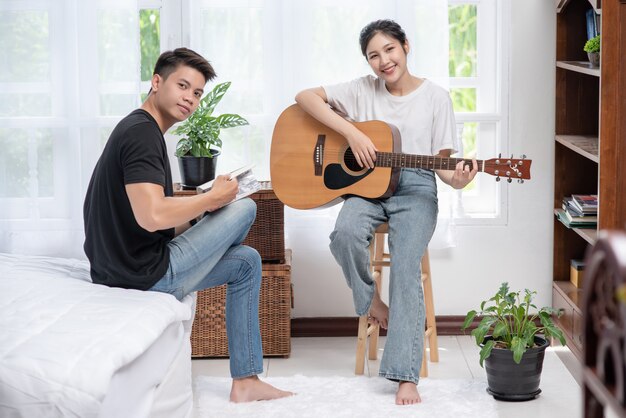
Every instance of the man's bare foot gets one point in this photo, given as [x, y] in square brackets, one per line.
[407, 394]
[251, 388]
[379, 312]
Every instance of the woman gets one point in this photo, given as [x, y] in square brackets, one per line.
[423, 113]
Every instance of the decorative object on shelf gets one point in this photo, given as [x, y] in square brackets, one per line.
[197, 151]
[577, 269]
[514, 351]
[592, 48]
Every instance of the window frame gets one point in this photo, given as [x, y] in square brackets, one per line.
[492, 64]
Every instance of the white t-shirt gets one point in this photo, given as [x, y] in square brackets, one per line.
[424, 117]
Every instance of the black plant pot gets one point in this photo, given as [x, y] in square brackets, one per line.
[195, 171]
[509, 381]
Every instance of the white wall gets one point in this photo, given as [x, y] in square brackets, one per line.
[519, 252]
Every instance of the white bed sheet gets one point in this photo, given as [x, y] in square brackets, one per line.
[69, 347]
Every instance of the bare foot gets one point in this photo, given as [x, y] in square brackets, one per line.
[251, 388]
[407, 394]
[379, 312]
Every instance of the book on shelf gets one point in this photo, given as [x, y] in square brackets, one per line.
[569, 206]
[585, 203]
[248, 183]
[562, 217]
[592, 24]
[577, 220]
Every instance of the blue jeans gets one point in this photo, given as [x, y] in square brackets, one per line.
[210, 254]
[412, 216]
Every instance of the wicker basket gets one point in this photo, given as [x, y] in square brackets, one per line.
[208, 335]
[267, 234]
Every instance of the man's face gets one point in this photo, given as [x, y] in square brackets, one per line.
[179, 94]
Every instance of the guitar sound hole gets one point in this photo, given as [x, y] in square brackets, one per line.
[350, 162]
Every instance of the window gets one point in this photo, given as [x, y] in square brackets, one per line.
[70, 73]
[477, 74]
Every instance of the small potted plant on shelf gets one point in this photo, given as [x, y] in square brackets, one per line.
[197, 151]
[510, 344]
[592, 48]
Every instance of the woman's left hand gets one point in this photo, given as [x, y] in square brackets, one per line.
[463, 175]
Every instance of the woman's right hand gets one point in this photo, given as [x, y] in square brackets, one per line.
[315, 103]
[363, 149]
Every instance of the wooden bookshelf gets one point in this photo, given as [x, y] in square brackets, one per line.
[577, 157]
[590, 147]
[590, 142]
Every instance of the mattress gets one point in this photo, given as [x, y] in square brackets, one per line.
[72, 348]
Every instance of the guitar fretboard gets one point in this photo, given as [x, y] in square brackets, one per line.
[390, 159]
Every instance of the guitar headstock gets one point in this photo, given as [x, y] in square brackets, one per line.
[510, 168]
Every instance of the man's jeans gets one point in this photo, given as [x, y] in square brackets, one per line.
[412, 216]
[210, 254]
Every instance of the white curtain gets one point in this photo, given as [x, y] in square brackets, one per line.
[70, 71]
[73, 71]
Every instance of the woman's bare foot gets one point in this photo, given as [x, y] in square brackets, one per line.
[379, 312]
[407, 394]
[251, 388]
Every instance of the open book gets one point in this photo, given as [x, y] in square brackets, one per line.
[248, 184]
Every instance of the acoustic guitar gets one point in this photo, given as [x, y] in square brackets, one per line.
[312, 165]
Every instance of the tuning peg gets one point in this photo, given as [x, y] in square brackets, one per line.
[509, 180]
[523, 156]
[498, 178]
[520, 181]
[499, 155]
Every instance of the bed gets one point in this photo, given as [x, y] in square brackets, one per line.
[71, 348]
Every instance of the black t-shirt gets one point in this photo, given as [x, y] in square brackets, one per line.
[121, 253]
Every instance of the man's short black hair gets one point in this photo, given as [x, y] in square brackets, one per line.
[169, 61]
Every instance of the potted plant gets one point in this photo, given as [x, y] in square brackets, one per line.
[592, 48]
[197, 151]
[511, 347]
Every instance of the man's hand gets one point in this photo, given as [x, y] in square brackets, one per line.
[224, 190]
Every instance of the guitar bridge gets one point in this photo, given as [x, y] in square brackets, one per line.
[318, 154]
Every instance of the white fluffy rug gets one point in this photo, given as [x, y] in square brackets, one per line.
[348, 397]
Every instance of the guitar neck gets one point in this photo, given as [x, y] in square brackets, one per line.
[429, 162]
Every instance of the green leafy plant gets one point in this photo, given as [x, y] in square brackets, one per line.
[201, 131]
[592, 45]
[508, 318]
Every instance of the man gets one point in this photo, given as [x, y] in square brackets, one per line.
[138, 236]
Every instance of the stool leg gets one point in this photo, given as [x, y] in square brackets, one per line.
[360, 346]
[424, 369]
[430, 308]
[377, 275]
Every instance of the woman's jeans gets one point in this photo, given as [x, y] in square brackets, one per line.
[412, 216]
[210, 254]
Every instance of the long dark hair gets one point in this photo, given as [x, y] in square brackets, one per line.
[388, 27]
[169, 61]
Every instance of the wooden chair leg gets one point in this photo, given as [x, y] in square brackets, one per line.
[377, 275]
[431, 324]
[373, 332]
[360, 346]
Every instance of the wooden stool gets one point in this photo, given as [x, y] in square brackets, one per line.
[379, 259]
